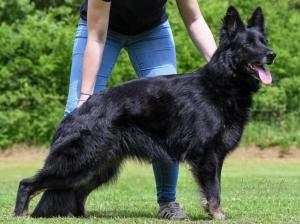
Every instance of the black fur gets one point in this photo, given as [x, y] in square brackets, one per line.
[198, 117]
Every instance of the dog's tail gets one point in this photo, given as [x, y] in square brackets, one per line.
[55, 203]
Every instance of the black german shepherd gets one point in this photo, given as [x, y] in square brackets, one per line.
[198, 117]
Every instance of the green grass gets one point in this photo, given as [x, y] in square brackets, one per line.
[253, 191]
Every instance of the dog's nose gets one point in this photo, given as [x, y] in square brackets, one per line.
[271, 56]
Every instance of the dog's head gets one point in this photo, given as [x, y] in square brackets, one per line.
[247, 44]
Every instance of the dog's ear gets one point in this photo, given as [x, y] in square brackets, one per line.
[232, 24]
[257, 20]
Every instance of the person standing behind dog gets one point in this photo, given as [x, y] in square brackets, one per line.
[142, 28]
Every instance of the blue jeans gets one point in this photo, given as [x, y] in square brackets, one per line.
[152, 53]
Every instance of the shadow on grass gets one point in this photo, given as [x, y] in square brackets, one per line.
[110, 214]
[120, 214]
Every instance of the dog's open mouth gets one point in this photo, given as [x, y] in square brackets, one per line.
[263, 73]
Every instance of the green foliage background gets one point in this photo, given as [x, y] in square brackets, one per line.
[36, 38]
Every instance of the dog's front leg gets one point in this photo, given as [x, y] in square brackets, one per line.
[207, 172]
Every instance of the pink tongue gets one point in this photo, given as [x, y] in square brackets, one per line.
[264, 75]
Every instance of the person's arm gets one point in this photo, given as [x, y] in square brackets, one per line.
[197, 27]
[97, 20]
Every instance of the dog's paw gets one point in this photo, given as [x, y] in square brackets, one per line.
[219, 216]
[20, 213]
[217, 213]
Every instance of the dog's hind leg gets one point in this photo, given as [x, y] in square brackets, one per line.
[207, 171]
[44, 180]
[24, 194]
[71, 201]
[103, 176]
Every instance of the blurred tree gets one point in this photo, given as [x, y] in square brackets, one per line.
[14, 10]
[44, 4]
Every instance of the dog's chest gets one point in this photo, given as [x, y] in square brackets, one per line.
[235, 117]
[231, 135]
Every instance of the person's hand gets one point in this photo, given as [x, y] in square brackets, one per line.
[83, 97]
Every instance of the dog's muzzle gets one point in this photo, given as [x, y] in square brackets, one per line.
[270, 56]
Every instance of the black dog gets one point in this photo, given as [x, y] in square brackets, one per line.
[197, 117]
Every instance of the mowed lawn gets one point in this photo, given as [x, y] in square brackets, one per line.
[253, 191]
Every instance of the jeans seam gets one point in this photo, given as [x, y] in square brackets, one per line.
[134, 60]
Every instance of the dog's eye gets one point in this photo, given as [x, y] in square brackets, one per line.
[262, 40]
